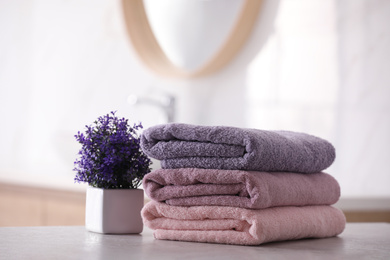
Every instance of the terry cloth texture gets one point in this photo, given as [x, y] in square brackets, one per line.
[230, 148]
[244, 189]
[231, 225]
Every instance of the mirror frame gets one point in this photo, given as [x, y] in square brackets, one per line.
[150, 52]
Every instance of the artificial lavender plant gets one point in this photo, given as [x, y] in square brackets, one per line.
[111, 156]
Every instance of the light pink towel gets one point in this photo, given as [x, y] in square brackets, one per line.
[234, 188]
[228, 225]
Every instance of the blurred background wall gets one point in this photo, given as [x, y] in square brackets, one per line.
[320, 67]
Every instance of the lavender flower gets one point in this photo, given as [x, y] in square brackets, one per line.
[111, 156]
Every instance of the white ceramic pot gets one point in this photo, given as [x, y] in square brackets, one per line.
[114, 211]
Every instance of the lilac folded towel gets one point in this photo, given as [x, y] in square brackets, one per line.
[229, 225]
[245, 189]
[230, 148]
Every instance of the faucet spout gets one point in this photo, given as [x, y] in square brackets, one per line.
[166, 102]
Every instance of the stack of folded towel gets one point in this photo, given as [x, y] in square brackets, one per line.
[239, 186]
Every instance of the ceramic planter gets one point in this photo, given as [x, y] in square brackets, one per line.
[114, 211]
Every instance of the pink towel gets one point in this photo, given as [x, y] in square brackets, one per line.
[229, 225]
[234, 188]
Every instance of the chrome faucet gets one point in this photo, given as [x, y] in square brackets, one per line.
[166, 102]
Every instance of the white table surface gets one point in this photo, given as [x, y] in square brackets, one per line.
[358, 241]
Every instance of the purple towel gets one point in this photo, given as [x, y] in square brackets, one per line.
[244, 189]
[231, 148]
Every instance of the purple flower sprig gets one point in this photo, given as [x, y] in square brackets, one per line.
[111, 156]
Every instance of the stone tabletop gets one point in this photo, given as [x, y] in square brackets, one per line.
[358, 241]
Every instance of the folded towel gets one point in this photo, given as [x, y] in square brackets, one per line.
[240, 226]
[245, 189]
[230, 148]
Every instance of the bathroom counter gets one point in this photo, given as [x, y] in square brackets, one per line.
[42, 180]
[358, 241]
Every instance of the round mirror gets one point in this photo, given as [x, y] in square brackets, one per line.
[190, 38]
